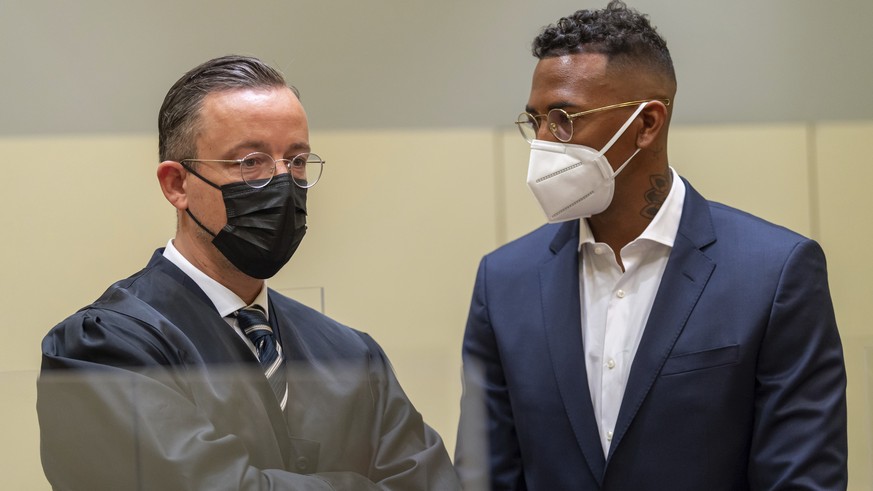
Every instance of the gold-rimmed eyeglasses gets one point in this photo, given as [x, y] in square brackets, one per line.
[560, 122]
[257, 168]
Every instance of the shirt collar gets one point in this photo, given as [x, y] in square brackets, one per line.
[663, 228]
[225, 301]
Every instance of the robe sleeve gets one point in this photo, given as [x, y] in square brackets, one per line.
[115, 414]
[409, 454]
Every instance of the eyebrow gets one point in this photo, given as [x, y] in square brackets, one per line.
[299, 147]
[260, 146]
[556, 105]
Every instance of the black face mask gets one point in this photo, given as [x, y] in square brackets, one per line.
[264, 225]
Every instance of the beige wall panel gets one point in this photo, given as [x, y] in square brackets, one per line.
[78, 214]
[19, 450]
[861, 414]
[760, 169]
[396, 229]
[858, 351]
[521, 213]
[845, 170]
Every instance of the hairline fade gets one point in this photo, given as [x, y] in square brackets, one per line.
[623, 35]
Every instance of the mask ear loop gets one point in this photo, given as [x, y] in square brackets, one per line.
[207, 181]
[617, 135]
[198, 222]
[622, 166]
[622, 129]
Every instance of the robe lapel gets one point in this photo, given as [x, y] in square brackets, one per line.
[302, 454]
[559, 287]
[190, 311]
[687, 273]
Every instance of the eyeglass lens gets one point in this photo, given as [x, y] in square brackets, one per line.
[258, 168]
[527, 125]
[557, 121]
[560, 124]
[305, 169]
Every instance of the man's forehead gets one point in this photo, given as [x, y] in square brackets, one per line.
[571, 68]
[246, 96]
[570, 79]
[267, 119]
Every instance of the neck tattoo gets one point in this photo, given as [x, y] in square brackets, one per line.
[657, 194]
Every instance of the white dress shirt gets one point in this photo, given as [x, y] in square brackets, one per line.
[616, 304]
[226, 302]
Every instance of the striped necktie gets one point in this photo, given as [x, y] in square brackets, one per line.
[254, 325]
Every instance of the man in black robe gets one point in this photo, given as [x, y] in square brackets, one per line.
[164, 382]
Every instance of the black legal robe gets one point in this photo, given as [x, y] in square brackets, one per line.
[148, 388]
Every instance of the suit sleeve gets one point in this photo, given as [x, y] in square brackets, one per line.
[487, 454]
[409, 455]
[799, 439]
[113, 416]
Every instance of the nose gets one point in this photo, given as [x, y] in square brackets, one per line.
[544, 133]
[281, 166]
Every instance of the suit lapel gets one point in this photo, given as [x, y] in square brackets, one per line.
[559, 286]
[687, 273]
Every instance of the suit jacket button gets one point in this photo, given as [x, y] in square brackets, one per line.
[302, 463]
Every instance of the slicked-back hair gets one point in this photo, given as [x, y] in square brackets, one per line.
[622, 34]
[179, 115]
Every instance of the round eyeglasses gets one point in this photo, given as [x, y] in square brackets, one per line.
[560, 122]
[258, 168]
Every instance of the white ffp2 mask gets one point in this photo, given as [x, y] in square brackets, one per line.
[573, 181]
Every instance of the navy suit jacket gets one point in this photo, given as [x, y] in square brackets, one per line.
[738, 383]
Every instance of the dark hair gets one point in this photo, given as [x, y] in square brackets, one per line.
[179, 114]
[621, 33]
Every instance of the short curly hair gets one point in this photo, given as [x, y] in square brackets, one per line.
[622, 34]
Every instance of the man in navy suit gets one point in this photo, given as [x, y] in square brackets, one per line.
[646, 338]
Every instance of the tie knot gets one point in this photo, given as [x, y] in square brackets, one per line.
[253, 323]
[251, 316]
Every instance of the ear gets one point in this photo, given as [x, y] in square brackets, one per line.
[654, 118]
[171, 176]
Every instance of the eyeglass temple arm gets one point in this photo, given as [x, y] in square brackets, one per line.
[616, 106]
